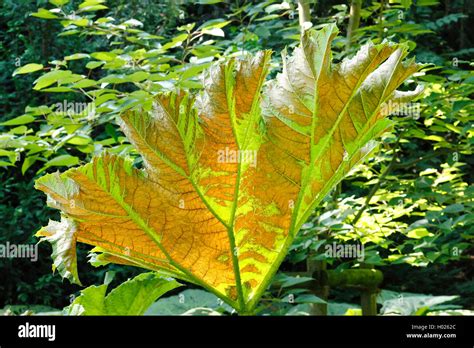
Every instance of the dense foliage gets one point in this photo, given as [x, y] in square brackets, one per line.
[70, 68]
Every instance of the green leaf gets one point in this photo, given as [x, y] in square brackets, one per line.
[353, 311]
[106, 56]
[342, 308]
[277, 7]
[187, 302]
[38, 110]
[90, 302]
[209, 2]
[27, 163]
[454, 208]
[57, 89]
[59, 3]
[418, 233]
[137, 76]
[83, 22]
[24, 119]
[434, 138]
[193, 70]
[133, 23]
[43, 13]
[77, 56]
[28, 68]
[214, 32]
[285, 281]
[93, 65]
[117, 79]
[267, 18]
[62, 161]
[6, 164]
[69, 32]
[20, 130]
[92, 8]
[88, 3]
[84, 83]
[188, 84]
[176, 41]
[309, 298]
[214, 23]
[7, 153]
[79, 140]
[409, 303]
[51, 77]
[132, 297]
[105, 97]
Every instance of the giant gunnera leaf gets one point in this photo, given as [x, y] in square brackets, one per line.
[231, 174]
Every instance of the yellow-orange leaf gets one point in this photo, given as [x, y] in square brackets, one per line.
[230, 175]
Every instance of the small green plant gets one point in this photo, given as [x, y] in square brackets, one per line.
[132, 297]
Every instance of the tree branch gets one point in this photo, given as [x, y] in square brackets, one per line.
[304, 14]
[354, 21]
